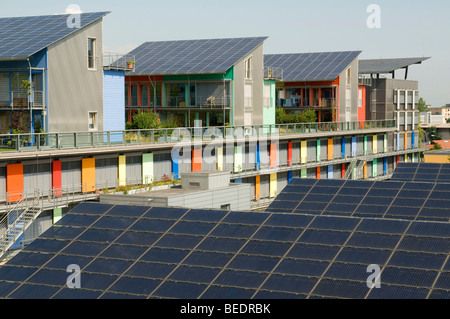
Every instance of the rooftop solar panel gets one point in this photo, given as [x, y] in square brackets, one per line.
[423, 172]
[382, 199]
[274, 256]
[22, 37]
[376, 66]
[322, 66]
[192, 56]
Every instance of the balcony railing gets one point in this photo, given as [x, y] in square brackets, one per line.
[206, 102]
[308, 103]
[23, 100]
[273, 73]
[49, 141]
[116, 61]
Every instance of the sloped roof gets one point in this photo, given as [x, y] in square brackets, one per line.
[380, 66]
[22, 37]
[192, 56]
[319, 66]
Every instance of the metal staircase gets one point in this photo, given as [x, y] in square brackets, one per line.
[14, 223]
[350, 168]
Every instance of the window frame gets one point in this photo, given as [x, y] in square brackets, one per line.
[95, 121]
[94, 54]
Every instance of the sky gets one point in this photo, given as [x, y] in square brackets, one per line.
[407, 28]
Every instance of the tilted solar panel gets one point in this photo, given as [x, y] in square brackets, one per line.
[268, 255]
[24, 36]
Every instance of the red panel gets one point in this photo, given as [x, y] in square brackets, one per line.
[362, 110]
[398, 159]
[14, 182]
[343, 170]
[290, 153]
[56, 178]
[196, 160]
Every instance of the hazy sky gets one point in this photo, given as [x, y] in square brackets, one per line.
[409, 28]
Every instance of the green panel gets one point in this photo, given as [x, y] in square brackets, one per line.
[147, 168]
[318, 151]
[375, 168]
[304, 173]
[365, 145]
[57, 215]
[237, 159]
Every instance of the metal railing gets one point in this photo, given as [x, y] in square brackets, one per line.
[308, 103]
[198, 101]
[18, 218]
[46, 141]
[24, 100]
[275, 73]
[117, 61]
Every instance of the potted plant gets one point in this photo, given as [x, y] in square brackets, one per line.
[131, 63]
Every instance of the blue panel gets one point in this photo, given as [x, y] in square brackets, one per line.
[353, 146]
[385, 166]
[413, 139]
[258, 157]
[114, 104]
[238, 181]
[343, 147]
[290, 176]
[175, 164]
[330, 171]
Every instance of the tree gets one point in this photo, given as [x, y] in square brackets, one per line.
[308, 116]
[422, 105]
[448, 121]
[433, 134]
[145, 121]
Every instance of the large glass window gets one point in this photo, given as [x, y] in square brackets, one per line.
[175, 94]
[144, 95]
[248, 68]
[134, 95]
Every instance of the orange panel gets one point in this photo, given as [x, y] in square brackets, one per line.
[258, 187]
[88, 175]
[273, 154]
[14, 182]
[196, 160]
[318, 173]
[290, 153]
[56, 178]
[343, 170]
[330, 149]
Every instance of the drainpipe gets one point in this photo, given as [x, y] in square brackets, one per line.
[29, 96]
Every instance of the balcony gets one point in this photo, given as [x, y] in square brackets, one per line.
[23, 100]
[273, 73]
[201, 102]
[308, 103]
[119, 62]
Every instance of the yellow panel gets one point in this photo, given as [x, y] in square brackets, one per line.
[220, 158]
[273, 185]
[303, 154]
[122, 170]
[88, 175]
[375, 144]
[436, 158]
[406, 141]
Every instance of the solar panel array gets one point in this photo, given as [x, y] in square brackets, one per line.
[422, 172]
[377, 199]
[325, 66]
[192, 56]
[375, 66]
[142, 252]
[24, 36]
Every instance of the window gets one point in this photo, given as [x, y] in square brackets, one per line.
[225, 207]
[360, 98]
[248, 68]
[349, 76]
[91, 53]
[92, 121]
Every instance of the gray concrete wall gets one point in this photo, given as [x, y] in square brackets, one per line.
[74, 91]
